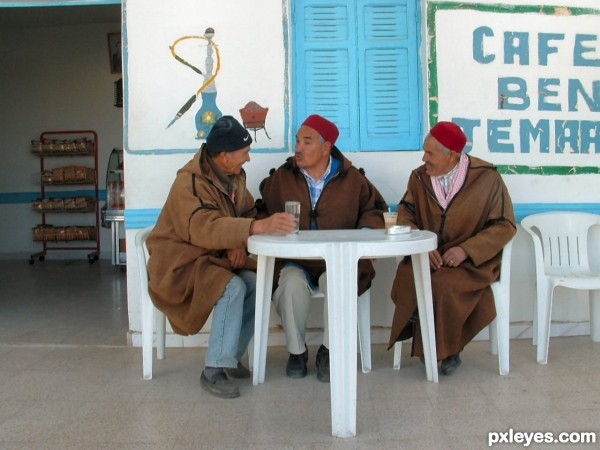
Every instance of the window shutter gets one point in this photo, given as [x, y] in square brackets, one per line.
[389, 101]
[356, 63]
[325, 66]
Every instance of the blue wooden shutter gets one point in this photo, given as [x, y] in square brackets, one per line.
[356, 63]
[325, 65]
[389, 101]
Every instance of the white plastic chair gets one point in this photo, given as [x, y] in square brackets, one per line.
[499, 329]
[152, 319]
[363, 315]
[560, 241]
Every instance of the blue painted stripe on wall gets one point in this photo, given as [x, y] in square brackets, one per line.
[141, 218]
[46, 3]
[28, 197]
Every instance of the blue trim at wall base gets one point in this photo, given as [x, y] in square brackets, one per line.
[523, 210]
[141, 218]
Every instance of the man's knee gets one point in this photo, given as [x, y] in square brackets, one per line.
[292, 279]
[236, 287]
[249, 279]
[323, 283]
[293, 288]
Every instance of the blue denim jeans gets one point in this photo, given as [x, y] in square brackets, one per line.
[233, 322]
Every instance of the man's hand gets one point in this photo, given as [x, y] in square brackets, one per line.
[278, 223]
[237, 257]
[435, 260]
[452, 258]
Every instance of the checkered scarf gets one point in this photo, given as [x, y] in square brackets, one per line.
[456, 179]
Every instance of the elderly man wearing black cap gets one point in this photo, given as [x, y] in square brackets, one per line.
[464, 201]
[198, 260]
[333, 195]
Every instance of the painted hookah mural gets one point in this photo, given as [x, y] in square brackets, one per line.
[208, 113]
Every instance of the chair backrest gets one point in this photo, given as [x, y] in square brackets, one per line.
[142, 257]
[560, 240]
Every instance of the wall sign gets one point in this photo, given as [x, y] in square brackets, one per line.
[522, 81]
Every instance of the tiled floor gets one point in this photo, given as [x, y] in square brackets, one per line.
[68, 380]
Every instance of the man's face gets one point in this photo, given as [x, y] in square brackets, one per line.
[436, 161]
[231, 162]
[311, 151]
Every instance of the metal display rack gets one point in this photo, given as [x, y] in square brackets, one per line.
[52, 148]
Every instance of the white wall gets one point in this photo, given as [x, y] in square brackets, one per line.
[150, 173]
[52, 78]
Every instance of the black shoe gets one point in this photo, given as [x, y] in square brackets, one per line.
[296, 365]
[322, 363]
[238, 372]
[219, 385]
[450, 364]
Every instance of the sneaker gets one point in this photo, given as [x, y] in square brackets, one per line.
[296, 365]
[238, 372]
[219, 385]
[322, 363]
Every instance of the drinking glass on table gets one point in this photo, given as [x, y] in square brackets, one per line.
[293, 207]
[390, 218]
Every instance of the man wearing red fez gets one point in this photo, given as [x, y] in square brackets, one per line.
[333, 195]
[464, 201]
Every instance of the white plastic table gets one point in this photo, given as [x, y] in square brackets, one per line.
[341, 250]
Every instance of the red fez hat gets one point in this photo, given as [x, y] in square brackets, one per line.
[328, 131]
[450, 136]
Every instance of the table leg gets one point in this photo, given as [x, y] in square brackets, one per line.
[422, 276]
[341, 301]
[264, 284]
